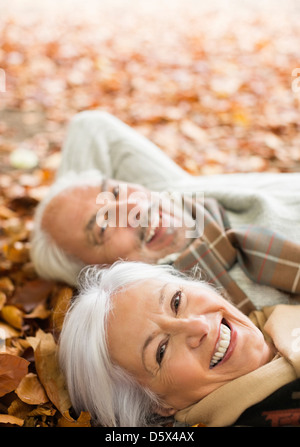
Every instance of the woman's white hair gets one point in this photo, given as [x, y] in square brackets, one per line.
[51, 261]
[107, 392]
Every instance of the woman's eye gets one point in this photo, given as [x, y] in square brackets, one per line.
[175, 302]
[161, 352]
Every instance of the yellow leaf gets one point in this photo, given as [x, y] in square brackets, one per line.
[13, 316]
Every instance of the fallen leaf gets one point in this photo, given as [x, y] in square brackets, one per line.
[40, 312]
[63, 302]
[42, 411]
[12, 370]
[6, 285]
[17, 252]
[2, 299]
[31, 294]
[19, 409]
[31, 391]
[49, 373]
[84, 420]
[13, 316]
[8, 331]
[7, 419]
[6, 213]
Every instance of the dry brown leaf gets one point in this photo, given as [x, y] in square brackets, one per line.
[40, 312]
[42, 411]
[2, 299]
[62, 304]
[19, 409]
[31, 293]
[49, 373]
[84, 420]
[7, 419]
[8, 331]
[6, 213]
[17, 252]
[6, 285]
[12, 370]
[31, 391]
[13, 316]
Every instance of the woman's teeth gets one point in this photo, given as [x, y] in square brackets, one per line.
[222, 345]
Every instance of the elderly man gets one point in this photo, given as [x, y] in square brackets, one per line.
[102, 157]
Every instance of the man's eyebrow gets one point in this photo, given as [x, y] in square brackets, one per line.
[88, 229]
[104, 184]
[149, 339]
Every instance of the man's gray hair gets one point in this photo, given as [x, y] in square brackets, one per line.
[110, 394]
[51, 261]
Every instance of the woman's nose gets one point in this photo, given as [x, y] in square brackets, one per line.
[193, 330]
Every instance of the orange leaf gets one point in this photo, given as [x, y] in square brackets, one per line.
[17, 252]
[12, 370]
[66, 420]
[31, 391]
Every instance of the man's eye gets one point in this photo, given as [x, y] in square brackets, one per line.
[175, 301]
[116, 191]
[103, 227]
[161, 352]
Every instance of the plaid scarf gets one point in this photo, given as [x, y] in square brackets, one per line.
[265, 256]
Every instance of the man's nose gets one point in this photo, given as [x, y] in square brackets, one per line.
[132, 213]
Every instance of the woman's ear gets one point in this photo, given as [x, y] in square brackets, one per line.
[164, 410]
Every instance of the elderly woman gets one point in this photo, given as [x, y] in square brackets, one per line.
[141, 341]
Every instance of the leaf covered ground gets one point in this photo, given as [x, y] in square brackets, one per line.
[215, 86]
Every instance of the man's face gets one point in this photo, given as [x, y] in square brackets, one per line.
[116, 220]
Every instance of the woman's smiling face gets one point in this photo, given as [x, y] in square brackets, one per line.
[171, 335]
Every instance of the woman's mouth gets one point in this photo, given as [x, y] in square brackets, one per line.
[222, 345]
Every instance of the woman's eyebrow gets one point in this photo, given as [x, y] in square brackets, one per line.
[161, 300]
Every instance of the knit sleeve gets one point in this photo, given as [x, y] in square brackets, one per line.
[97, 140]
